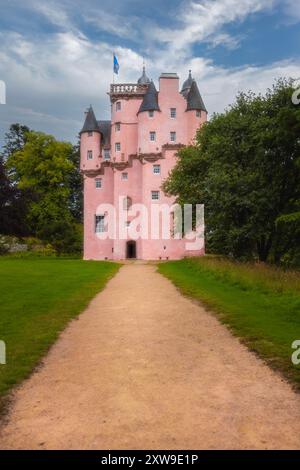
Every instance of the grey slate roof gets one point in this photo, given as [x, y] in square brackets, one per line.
[150, 101]
[194, 99]
[90, 124]
[105, 129]
[144, 80]
[187, 85]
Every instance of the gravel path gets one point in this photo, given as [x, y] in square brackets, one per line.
[144, 367]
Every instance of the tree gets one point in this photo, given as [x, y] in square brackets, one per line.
[45, 167]
[76, 186]
[245, 169]
[13, 201]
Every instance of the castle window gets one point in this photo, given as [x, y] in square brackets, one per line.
[98, 183]
[117, 126]
[125, 176]
[173, 113]
[156, 169]
[90, 155]
[198, 113]
[150, 114]
[118, 147]
[127, 203]
[152, 136]
[90, 134]
[99, 224]
[118, 106]
[106, 154]
[173, 136]
[155, 195]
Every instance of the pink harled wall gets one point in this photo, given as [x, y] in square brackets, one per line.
[134, 137]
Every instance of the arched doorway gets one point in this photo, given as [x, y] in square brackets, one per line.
[131, 249]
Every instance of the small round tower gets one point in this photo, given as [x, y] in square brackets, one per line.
[90, 143]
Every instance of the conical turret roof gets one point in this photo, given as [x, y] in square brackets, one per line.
[194, 99]
[90, 124]
[150, 100]
[144, 80]
[187, 84]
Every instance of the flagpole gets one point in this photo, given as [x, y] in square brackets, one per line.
[113, 67]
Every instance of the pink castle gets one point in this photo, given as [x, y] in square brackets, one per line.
[130, 156]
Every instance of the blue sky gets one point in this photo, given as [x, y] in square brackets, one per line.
[56, 56]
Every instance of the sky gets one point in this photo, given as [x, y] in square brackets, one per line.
[56, 55]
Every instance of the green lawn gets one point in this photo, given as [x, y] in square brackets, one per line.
[260, 304]
[38, 298]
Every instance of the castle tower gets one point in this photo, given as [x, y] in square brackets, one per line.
[90, 143]
[195, 108]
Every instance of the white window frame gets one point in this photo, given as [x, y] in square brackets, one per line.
[100, 224]
[155, 195]
[152, 136]
[117, 127]
[173, 113]
[173, 136]
[118, 147]
[155, 168]
[98, 183]
[90, 155]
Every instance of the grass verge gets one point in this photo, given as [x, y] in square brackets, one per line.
[260, 304]
[38, 298]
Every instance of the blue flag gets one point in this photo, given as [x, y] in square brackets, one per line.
[116, 65]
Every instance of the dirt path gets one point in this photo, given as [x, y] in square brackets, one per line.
[144, 367]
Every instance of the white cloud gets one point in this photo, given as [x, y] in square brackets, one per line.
[201, 20]
[51, 81]
[292, 10]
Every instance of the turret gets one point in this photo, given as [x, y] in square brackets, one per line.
[90, 143]
[148, 128]
[195, 108]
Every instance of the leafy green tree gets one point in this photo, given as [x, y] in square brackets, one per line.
[44, 167]
[76, 186]
[245, 169]
[13, 201]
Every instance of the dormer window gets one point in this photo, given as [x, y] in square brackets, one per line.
[118, 106]
[117, 126]
[173, 113]
[150, 114]
[90, 155]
